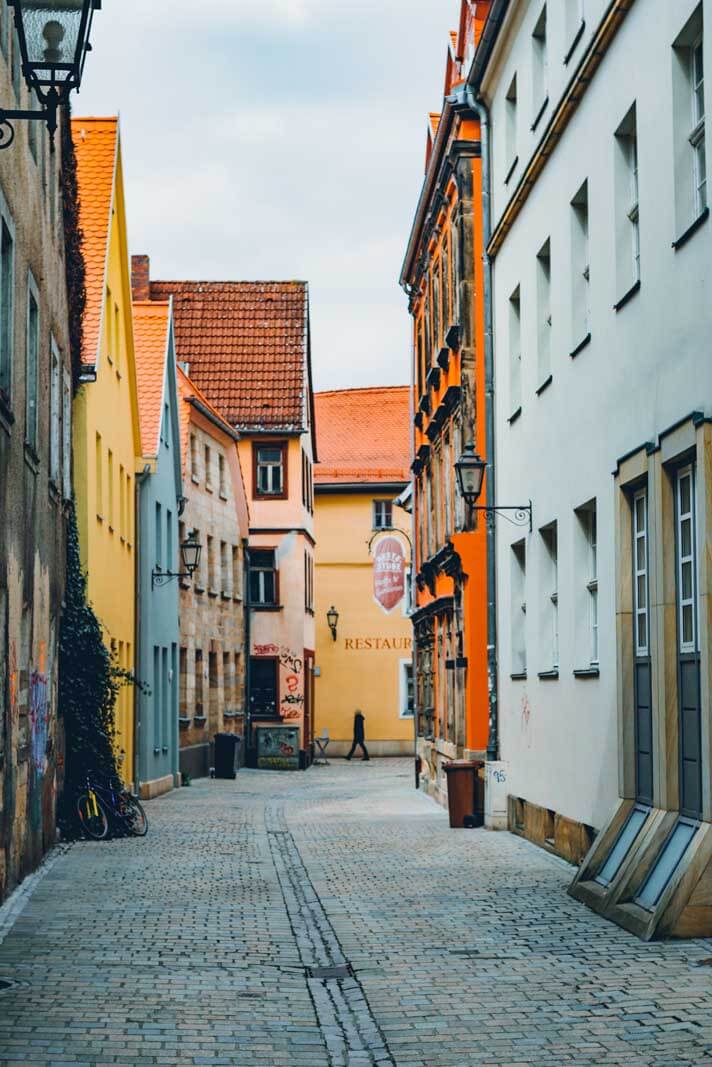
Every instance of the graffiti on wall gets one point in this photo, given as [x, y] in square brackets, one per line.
[291, 703]
[39, 719]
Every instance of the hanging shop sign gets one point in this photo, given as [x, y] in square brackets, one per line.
[389, 573]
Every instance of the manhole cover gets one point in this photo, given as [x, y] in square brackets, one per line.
[330, 972]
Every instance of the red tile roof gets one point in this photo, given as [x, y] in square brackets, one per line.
[151, 319]
[246, 344]
[364, 435]
[95, 144]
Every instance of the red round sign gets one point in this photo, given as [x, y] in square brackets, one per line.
[389, 573]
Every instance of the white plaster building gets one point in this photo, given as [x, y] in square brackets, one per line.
[601, 252]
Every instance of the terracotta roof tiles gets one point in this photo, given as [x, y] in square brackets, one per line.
[151, 321]
[364, 435]
[246, 344]
[95, 144]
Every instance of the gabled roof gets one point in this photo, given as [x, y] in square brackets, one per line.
[190, 396]
[96, 143]
[364, 436]
[247, 346]
[151, 326]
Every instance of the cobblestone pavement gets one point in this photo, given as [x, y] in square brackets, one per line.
[203, 943]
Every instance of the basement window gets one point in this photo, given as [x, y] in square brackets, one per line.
[625, 840]
[666, 864]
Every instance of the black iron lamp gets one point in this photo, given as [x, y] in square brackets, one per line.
[470, 471]
[332, 617]
[54, 39]
[190, 551]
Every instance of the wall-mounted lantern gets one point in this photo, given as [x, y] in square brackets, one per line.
[190, 551]
[53, 36]
[332, 617]
[470, 471]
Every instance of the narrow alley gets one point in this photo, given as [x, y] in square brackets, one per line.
[331, 918]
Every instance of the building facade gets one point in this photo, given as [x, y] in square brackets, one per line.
[213, 614]
[363, 569]
[106, 436]
[600, 251]
[247, 345]
[160, 501]
[35, 477]
[442, 275]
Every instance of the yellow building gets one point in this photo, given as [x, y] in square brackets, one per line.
[362, 570]
[107, 445]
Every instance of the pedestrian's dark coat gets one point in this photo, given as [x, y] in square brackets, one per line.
[358, 726]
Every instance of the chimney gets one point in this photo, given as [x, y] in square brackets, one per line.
[140, 278]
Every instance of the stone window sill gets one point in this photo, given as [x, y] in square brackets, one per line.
[514, 416]
[685, 237]
[545, 385]
[548, 676]
[628, 295]
[518, 676]
[587, 672]
[580, 346]
[200, 720]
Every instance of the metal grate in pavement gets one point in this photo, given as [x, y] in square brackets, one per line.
[330, 972]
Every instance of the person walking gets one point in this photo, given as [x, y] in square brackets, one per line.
[359, 735]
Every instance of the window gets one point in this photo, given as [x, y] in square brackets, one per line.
[224, 570]
[626, 208]
[574, 24]
[67, 434]
[580, 270]
[550, 597]
[166, 426]
[208, 469]
[32, 364]
[33, 104]
[7, 266]
[129, 510]
[640, 566]
[236, 573]
[199, 576]
[519, 608]
[686, 548]
[194, 457]
[515, 352]
[221, 477]
[445, 279]
[110, 486]
[109, 327]
[586, 591]
[270, 474]
[170, 562]
[511, 126]
[690, 158]
[407, 689]
[382, 514]
[212, 576]
[122, 502]
[308, 582]
[543, 273]
[263, 577]
[539, 67]
[158, 537]
[448, 480]
[55, 401]
[199, 683]
[435, 304]
[99, 476]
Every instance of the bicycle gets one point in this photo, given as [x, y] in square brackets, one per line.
[99, 805]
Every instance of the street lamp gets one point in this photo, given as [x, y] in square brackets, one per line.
[53, 36]
[470, 471]
[190, 551]
[332, 617]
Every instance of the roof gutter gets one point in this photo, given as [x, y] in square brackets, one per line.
[212, 417]
[485, 46]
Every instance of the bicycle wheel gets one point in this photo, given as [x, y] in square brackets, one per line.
[92, 817]
[135, 818]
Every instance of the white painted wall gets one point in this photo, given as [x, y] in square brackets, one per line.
[646, 367]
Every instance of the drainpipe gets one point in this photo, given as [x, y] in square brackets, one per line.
[479, 107]
[138, 628]
[247, 639]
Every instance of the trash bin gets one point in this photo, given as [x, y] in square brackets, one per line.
[227, 748]
[465, 793]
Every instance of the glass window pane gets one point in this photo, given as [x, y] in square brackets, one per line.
[665, 865]
[642, 591]
[685, 538]
[685, 495]
[687, 581]
[687, 624]
[642, 631]
[640, 513]
[620, 850]
[640, 553]
[270, 455]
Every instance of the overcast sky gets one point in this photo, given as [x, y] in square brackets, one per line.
[279, 139]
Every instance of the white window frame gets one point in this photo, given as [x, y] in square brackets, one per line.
[690, 559]
[54, 410]
[697, 133]
[544, 314]
[640, 535]
[380, 507]
[592, 583]
[511, 119]
[550, 538]
[406, 665]
[515, 350]
[519, 608]
[581, 267]
[540, 65]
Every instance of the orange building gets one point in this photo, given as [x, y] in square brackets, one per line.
[443, 277]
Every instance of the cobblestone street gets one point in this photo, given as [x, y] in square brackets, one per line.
[202, 943]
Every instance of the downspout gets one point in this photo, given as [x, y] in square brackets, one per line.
[138, 628]
[480, 108]
[411, 576]
[246, 608]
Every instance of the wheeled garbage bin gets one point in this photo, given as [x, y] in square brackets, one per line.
[465, 793]
[227, 748]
